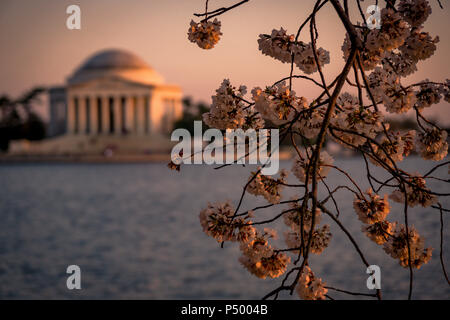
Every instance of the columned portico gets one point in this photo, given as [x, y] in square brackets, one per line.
[109, 114]
[115, 93]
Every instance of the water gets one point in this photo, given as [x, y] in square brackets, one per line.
[134, 231]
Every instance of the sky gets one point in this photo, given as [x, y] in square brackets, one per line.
[38, 49]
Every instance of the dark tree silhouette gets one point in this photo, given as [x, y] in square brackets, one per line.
[18, 120]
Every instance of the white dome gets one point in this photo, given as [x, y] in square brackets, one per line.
[116, 63]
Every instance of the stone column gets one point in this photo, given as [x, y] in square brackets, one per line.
[105, 115]
[129, 114]
[82, 115]
[147, 101]
[135, 115]
[93, 117]
[76, 125]
[117, 115]
[141, 115]
[70, 116]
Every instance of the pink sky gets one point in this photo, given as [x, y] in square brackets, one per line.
[38, 49]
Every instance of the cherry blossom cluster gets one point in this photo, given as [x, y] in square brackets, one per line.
[299, 220]
[397, 247]
[385, 87]
[428, 94]
[302, 165]
[379, 232]
[310, 122]
[281, 46]
[266, 186]
[399, 63]
[258, 256]
[304, 57]
[415, 12]
[432, 144]
[392, 33]
[446, 90]
[354, 117]
[379, 42]
[278, 103]
[392, 148]
[392, 236]
[218, 222]
[370, 58]
[371, 208]
[310, 287]
[205, 34]
[260, 259]
[417, 46]
[320, 239]
[417, 193]
[228, 110]
[298, 216]
[278, 45]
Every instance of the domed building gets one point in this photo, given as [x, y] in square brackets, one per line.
[114, 93]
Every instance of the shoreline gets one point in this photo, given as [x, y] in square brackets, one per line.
[150, 158]
[83, 158]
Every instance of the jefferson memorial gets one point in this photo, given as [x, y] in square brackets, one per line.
[114, 92]
[113, 100]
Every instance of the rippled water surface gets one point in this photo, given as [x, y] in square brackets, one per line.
[134, 231]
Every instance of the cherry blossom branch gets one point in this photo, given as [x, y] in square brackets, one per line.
[352, 293]
[309, 202]
[268, 206]
[436, 167]
[218, 12]
[319, 143]
[352, 240]
[411, 274]
[441, 244]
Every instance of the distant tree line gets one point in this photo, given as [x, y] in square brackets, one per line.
[18, 120]
[191, 112]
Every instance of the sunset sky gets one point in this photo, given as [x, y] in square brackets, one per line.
[38, 49]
